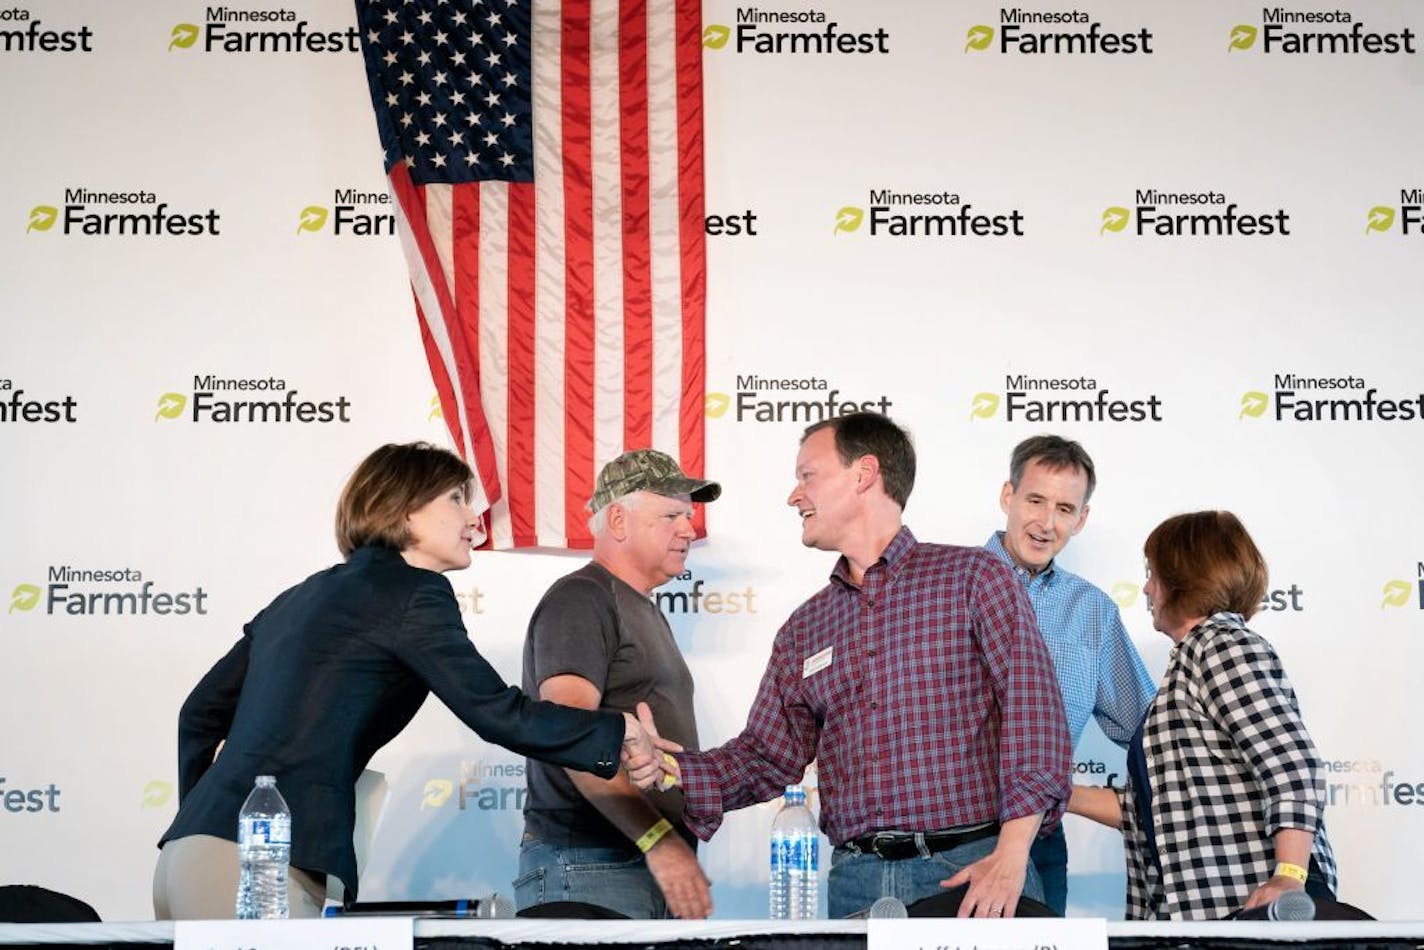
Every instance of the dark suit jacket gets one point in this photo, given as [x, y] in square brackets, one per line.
[331, 671]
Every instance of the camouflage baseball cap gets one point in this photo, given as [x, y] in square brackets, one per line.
[648, 470]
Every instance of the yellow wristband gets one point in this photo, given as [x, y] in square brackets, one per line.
[669, 780]
[653, 835]
[1293, 871]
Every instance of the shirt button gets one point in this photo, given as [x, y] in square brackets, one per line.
[870, 652]
[874, 704]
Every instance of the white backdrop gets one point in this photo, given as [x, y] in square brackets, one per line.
[102, 468]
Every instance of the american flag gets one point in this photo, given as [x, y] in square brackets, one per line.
[546, 164]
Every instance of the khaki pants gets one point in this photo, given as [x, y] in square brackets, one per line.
[196, 879]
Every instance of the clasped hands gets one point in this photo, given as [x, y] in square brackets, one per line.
[647, 756]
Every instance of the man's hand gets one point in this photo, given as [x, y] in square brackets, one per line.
[995, 884]
[685, 888]
[646, 755]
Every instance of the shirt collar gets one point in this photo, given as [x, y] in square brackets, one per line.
[893, 557]
[995, 545]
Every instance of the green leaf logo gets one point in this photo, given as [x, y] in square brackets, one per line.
[156, 794]
[1243, 37]
[436, 411]
[171, 406]
[1380, 219]
[984, 406]
[437, 793]
[979, 38]
[184, 35]
[1114, 219]
[716, 406]
[848, 219]
[1124, 594]
[24, 597]
[42, 218]
[1396, 594]
[312, 218]
[1253, 404]
[715, 36]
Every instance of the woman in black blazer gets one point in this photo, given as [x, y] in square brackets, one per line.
[333, 669]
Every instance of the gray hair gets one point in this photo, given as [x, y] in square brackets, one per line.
[598, 521]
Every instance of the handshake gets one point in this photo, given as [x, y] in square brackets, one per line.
[647, 756]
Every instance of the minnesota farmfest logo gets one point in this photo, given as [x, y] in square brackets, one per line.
[23, 32]
[795, 32]
[1191, 214]
[1290, 31]
[1408, 215]
[888, 213]
[1026, 398]
[1027, 32]
[229, 30]
[352, 213]
[1343, 398]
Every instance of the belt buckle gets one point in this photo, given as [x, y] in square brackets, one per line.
[882, 842]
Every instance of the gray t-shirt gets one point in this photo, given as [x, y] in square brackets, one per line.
[593, 625]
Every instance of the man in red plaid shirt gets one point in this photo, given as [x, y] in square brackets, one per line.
[917, 680]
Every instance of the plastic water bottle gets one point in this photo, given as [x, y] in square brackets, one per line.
[264, 849]
[795, 859]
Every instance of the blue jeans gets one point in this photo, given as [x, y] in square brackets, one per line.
[607, 877]
[1049, 857]
[859, 880]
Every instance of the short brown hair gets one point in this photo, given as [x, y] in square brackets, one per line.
[389, 484]
[1205, 562]
[872, 433]
[1056, 454]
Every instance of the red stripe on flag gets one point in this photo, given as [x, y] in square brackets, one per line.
[520, 451]
[444, 390]
[412, 201]
[637, 226]
[693, 418]
[579, 407]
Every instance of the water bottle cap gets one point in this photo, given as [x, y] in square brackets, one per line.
[795, 793]
[266, 781]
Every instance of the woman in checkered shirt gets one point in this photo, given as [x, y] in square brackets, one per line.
[1222, 808]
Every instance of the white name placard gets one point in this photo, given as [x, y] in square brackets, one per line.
[340, 933]
[952, 933]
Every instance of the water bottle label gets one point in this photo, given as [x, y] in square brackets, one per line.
[275, 830]
[799, 852]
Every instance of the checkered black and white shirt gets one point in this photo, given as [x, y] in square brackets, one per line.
[1230, 764]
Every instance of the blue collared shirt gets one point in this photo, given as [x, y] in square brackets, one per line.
[1099, 671]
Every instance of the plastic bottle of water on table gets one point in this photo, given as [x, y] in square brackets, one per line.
[264, 848]
[795, 859]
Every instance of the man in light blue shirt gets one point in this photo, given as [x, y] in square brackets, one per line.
[1099, 671]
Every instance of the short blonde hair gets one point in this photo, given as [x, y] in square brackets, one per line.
[387, 486]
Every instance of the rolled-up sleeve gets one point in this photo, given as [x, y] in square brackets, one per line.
[1035, 750]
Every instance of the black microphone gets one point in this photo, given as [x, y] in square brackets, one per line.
[1292, 905]
[496, 906]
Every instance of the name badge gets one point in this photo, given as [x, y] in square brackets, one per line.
[817, 662]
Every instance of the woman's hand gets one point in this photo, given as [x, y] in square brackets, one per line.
[646, 755]
[1272, 889]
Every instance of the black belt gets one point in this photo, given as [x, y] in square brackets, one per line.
[898, 845]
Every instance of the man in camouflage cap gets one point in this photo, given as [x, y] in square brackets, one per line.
[597, 641]
[651, 471]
